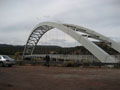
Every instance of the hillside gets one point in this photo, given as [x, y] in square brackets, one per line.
[12, 49]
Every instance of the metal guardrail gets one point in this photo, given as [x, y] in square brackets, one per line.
[70, 57]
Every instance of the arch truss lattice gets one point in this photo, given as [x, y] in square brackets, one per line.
[72, 30]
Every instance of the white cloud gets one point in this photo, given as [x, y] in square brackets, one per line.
[17, 18]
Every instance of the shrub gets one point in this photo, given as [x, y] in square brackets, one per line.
[71, 63]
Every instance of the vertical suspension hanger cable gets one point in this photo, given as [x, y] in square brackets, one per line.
[56, 44]
[48, 43]
[77, 49]
[63, 44]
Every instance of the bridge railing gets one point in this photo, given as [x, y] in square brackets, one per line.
[89, 58]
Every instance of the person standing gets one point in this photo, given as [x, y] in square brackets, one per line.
[47, 60]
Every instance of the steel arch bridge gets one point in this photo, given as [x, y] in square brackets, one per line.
[72, 30]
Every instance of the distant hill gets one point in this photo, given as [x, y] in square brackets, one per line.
[6, 49]
[5, 45]
[12, 49]
[44, 49]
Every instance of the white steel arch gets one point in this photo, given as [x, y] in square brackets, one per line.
[70, 29]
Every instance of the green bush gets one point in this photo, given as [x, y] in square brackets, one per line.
[117, 66]
[71, 63]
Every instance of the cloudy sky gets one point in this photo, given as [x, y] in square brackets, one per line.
[19, 17]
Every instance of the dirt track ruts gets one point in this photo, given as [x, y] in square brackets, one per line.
[58, 78]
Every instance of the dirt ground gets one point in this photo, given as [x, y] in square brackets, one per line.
[58, 78]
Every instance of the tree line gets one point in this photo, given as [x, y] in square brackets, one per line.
[42, 49]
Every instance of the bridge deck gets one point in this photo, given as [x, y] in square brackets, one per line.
[70, 57]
